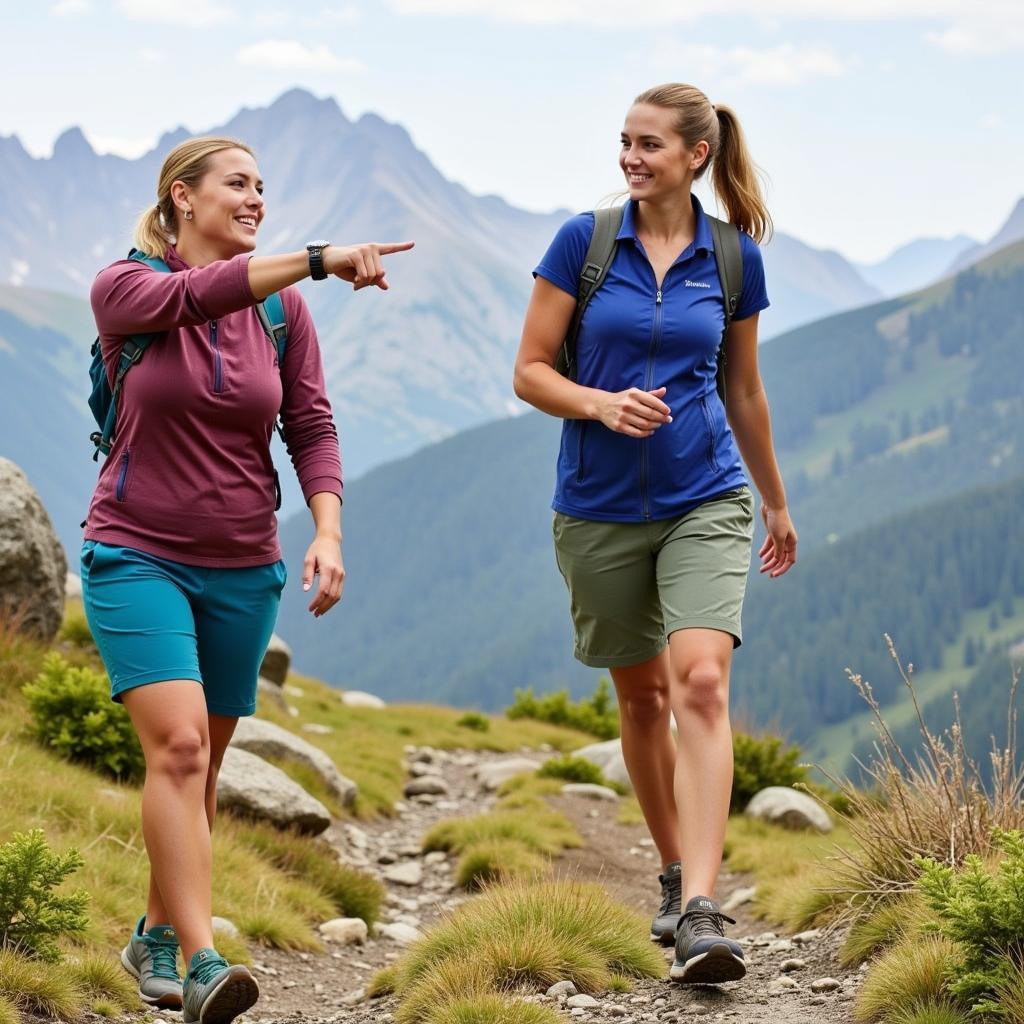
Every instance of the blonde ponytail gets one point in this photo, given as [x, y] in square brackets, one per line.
[734, 176]
[157, 227]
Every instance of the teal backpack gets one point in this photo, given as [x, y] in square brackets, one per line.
[103, 399]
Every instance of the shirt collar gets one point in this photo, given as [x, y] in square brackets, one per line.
[702, 238]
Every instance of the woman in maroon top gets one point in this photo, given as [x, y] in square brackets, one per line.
[181, 566]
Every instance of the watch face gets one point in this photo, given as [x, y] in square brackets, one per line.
[317, 245]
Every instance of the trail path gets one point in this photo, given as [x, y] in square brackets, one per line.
[328, 987]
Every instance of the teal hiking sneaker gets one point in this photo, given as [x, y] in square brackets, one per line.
[216, 992]
[663, 927]
[152, 957]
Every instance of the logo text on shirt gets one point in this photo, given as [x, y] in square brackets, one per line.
[696, 284]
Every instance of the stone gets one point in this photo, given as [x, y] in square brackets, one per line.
[561, 988]
[268, 692]
[353, 997]
[803, 938]
[72, 587]
[426, 785]
[590, 791]
[417, 769]
[317, 728]
[293, 691]
[436, 857]
[356, 836]
[403, 934]
[780, 946]
[783, 984]
[739, 898]
[387, 857]
[615, 1010]
[250, 786]
[33, 566]
[261, 737]
[608, 757]
[794, 964]
[790, 808]
[698, 1009]
[225, 927]
[360, 699]
[581, 1002]
[825, 985]
[494, 773]
[346, 931]
[276, 661]
[410, 873]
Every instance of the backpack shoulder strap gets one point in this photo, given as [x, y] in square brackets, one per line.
[271, 314]
[153, 262]
[598, 259]
[729, 261]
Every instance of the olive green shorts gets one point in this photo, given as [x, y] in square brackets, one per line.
[631, 585]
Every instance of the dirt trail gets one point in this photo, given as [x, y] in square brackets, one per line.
[328, 987]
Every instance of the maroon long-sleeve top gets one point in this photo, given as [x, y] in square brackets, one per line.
[189, 476]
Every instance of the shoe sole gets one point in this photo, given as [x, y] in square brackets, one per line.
[231, 998]
[664, 938]
[168, 1001]
[712, 967]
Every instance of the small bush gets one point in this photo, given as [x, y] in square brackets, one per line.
[75, 631]
[497, 860]
[103, 979]
[36, 987]
[475, 721]
[983, 912]
[32, 914]
[491, 1009]
[572, 769]
[890, 922]
[75, 716]
[382, 983]
[8, 1012]
[620, 983]
[539, 828]
[761, 761]
[597, 714]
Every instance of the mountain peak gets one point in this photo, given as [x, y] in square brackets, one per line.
[72, 144]
[298, 101]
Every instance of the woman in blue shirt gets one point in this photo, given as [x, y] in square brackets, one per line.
[653, 516]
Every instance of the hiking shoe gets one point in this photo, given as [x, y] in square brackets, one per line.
[152, 957]
[216, 992]
[704, 956]
[663, 928]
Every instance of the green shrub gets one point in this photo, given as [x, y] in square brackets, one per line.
[572, 769]
[983, 912]
[75, 716]
[8, 1012]
[32, 915]
[475, 721]
[497, 860]
[596, 714]
[760, 761]
[75, 630]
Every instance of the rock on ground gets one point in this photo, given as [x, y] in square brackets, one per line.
[33, 566]
[360, 699]
[608, 757]
[276, 661]
[250, 786]
[345, 930]
[790, 808]
[268, 740]
[590, 790]
[493, 774]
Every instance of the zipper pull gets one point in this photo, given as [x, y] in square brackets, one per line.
[658, 299]
[213, 330]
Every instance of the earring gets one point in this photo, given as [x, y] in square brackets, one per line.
[188, 215]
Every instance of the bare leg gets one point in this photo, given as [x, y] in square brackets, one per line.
[648, 748]
[171, 721]
[700, 660]
[221, 731]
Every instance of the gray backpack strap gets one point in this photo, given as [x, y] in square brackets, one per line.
[600, 253]
[729, 261]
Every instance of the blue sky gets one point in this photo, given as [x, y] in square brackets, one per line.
[876, 122]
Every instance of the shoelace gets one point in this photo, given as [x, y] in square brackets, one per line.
[208, 969]
[164, 956]
[672, 894]
[706, 922]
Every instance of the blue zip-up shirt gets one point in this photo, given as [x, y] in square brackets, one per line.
[634, 335]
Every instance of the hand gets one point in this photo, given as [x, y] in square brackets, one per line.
[361, 264]
[324, 558]
[633, 412]
[778, 552]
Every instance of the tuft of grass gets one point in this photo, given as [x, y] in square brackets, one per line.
[524, 790]
[912, 972]
[8, 1012]
[525, 935]
[930, 1012]
[620, 983]
[382, 983]
[475, 721]
[629, 812]
[279, 928]
[103, 979]
[497, 860]
[1010, 994]
[572, 769]
[106, 1008]
[492, 1009]
[233, 948]
[887, 924]
[36, 987]
[537, 827]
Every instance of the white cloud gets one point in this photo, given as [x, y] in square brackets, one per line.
[979, 36]
[777, 65]
[151, 56]
[69, 8]
[194, 14]
[121, 145]
[290, 55]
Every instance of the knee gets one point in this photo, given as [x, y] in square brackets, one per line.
[645, 708]
[184, 755]
[704, 690]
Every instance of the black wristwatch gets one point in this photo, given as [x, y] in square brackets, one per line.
[316, 259]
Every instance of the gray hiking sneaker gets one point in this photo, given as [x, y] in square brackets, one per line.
[704, 956]
[663, 928]
[215, 991]
[152, 957]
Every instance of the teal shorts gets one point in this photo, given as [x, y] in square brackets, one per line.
[154, 620]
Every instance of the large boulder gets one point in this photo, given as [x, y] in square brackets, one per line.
[790, 808]
[276, 661]
[269, 740]
[33, 566]
[250, 786]
[608, 757]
